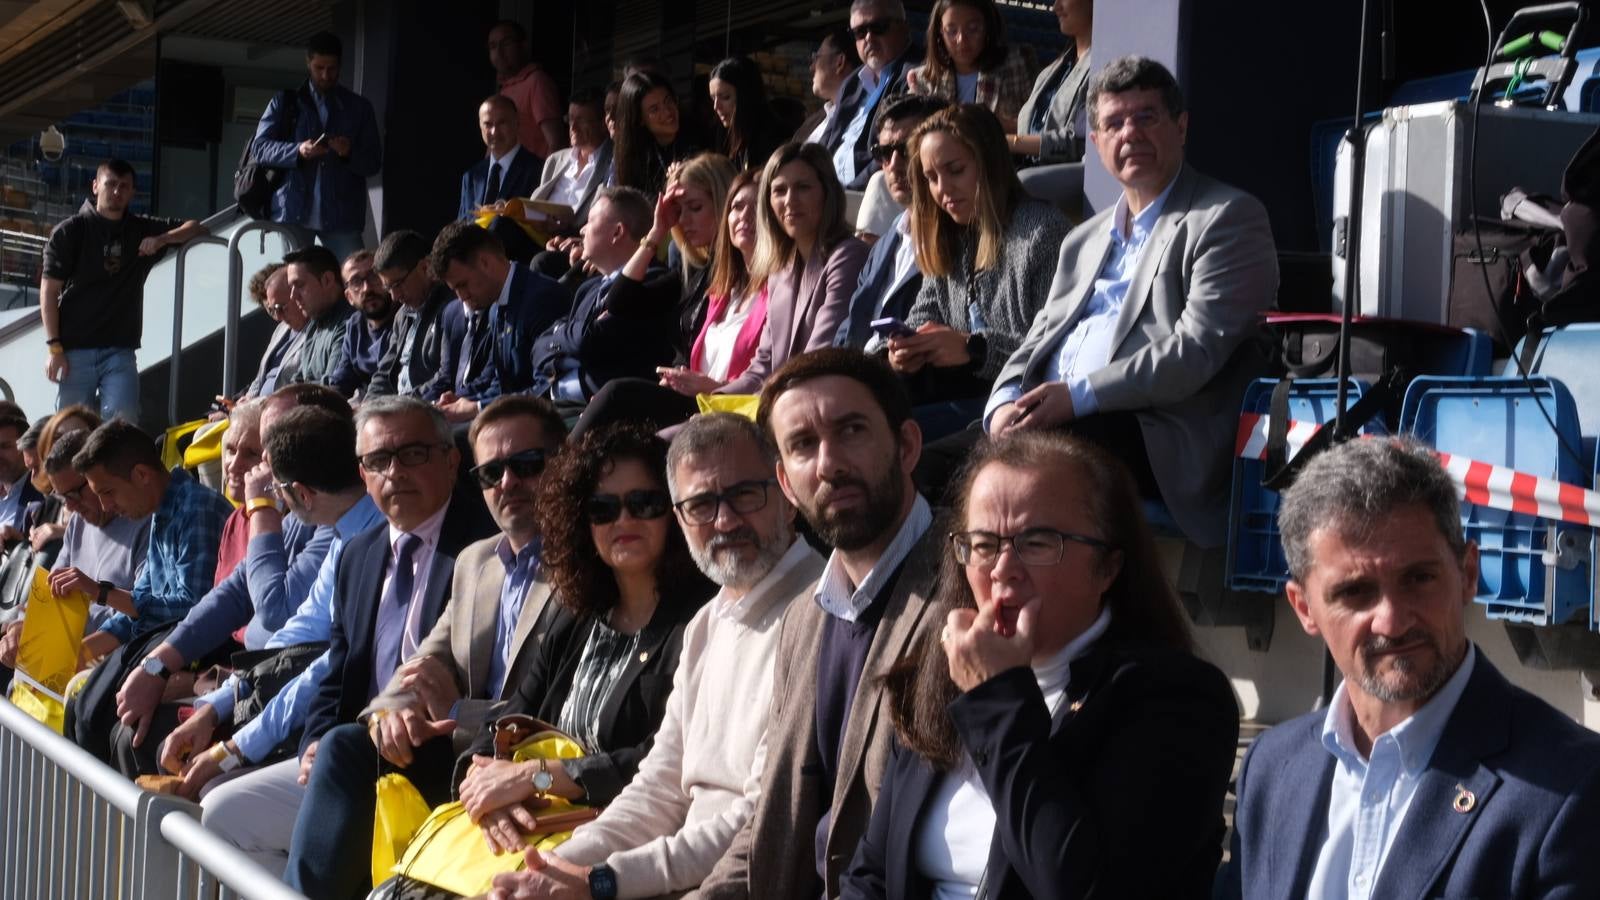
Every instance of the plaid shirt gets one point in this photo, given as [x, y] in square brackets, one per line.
[1003, 89]
[185, 533]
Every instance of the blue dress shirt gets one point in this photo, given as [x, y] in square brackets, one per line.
[1369, 797]
[520, 572]
[312, 622]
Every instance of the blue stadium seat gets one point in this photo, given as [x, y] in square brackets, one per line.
[1532, 571]
[1255, 552]
[1569, 354]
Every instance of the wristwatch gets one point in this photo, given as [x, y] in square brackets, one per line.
[105, 591]
[977, 350]
[225, 759]
[154, 666]
[602, 882]
[543, 781]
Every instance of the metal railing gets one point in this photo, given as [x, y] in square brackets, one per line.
[230, 331]
[75, 828]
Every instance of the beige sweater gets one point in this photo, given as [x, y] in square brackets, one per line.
[701, 779]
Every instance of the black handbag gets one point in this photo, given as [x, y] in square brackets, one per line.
[262, 675]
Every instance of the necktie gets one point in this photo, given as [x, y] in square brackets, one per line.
[476, 353]
[492, 192]
[407, 322]
[389, 633]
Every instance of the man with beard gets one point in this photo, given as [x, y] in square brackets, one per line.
[1429, 774]
[841, 422]
[701, 779]
[366, 337]
[485, 640]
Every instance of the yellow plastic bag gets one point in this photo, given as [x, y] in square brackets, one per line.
[738, 404]
[400, 814]
[206, 446]
[47, 653]
[515, 211]
[448, 851]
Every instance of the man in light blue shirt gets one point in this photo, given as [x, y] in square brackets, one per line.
[1150, 333]
[1428, 775]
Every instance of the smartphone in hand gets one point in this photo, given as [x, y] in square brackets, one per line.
[891, 327]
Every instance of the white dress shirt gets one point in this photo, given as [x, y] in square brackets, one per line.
[840, 598]
[573, 180]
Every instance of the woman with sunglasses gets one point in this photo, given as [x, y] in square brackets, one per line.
[650, 136]
[969, 60]
[1053, 725]
[626, 587]
[986, 249]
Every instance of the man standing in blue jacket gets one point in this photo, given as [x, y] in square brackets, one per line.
[326, 135]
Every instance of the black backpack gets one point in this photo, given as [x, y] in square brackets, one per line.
[253, 183]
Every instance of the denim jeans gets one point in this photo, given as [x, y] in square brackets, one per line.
[340, 244]
[104, 379]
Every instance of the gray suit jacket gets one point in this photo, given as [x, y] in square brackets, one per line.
[463, 638]
[558, 160]
[774, 856]
[1207, 272]
[1060, 140]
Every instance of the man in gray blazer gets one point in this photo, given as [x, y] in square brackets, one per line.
[485, 639]
[1148, 339]
[1428, 774]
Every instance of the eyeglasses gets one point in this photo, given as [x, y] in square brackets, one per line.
[410, 456]
[357, 282]
[527, 464]
[744, 497]
[874, 27]
[884, 153]
[1034, 546]
[1144, 118]
[972, 32]
[603, 509]
[74, 495]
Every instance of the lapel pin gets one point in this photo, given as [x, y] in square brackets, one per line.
[1465, 800]
[644, 655]
[1076, 705]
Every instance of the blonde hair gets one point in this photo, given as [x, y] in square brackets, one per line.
[54, 427]
[730, 271]
[712, 173]
[937, 236]
[775, 250]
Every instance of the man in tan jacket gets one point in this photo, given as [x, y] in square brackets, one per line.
[847, 445]
[483, 641]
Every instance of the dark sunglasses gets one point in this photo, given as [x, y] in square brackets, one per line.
[527, 464]
[883, 153]
[875, 27]
[603, 509]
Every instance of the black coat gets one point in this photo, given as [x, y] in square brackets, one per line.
[359, 586]
[634, 710]
[1119, 797]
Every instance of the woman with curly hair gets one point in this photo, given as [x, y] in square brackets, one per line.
[626, 587]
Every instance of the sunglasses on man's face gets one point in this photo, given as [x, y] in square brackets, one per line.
[874, 27]
[527, 464]
[603, 509]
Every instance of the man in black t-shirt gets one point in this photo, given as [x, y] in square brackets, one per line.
[91, 296]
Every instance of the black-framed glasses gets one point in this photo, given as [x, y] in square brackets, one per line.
[743, 497]
[884, 153]
[74, 495]
[1034, 546]
[410, 455]
[874, 27]
[645, 503]
[1142, 119]
[527, 464]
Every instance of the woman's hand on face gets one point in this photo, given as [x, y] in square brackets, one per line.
[977, 648]
[669, 211]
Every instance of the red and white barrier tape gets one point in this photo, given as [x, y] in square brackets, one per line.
[1481, 483]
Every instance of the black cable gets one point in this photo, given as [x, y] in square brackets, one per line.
[1477, 237]
[1352, 271]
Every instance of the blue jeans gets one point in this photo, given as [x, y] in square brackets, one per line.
[340, 244]
[101, 378]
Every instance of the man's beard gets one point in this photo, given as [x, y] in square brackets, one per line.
[729, 569]
[855, 530]
[1407, 680]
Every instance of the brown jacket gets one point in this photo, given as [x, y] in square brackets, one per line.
[774, 855]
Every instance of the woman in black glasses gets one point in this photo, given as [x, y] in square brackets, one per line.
[627, 586]
[1055, 734]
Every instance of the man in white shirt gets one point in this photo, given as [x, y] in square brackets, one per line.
[702, 777]
[832, 64]
[573, 176]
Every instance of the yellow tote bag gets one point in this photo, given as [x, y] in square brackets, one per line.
[401, 812]
[738, 404]
[448, 851]
[47, 654]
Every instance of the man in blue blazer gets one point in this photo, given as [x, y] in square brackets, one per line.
[506, 307]
[326, 136]
[1429, 775]
[508, 170]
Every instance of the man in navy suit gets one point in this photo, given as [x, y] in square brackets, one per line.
[507, 307]
[1429, 774]
[508, 170]
[890, 280]
[617, 328]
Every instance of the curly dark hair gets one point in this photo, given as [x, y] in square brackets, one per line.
[580, 579]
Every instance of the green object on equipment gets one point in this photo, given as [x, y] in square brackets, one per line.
[1548, 40]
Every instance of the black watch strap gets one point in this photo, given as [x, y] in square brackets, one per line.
[602, 882]
[105, 591]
